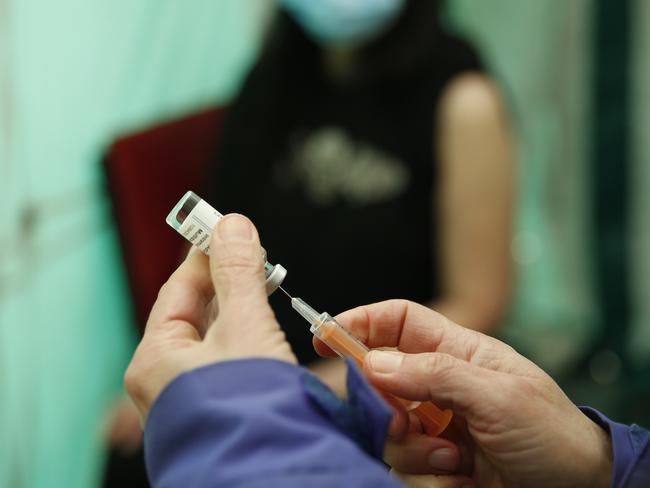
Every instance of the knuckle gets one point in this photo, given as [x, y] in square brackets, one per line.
[164, 289]
[435, 370]
[435, 364]
[398, 303]
[240, 258]
[132, 381]
[170, 290]
[398, 307]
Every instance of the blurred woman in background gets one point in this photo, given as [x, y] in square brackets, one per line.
[366, 136]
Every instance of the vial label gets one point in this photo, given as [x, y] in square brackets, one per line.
[197, 227]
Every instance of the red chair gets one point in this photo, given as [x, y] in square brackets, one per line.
[147, 173]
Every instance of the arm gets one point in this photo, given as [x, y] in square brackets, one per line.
[630, 448]
[258, 422]
[221, 417]
[475, 205]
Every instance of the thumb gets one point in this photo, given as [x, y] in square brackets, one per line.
[447, 381]
[237, 267]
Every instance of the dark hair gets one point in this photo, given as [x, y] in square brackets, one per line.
[407, 46]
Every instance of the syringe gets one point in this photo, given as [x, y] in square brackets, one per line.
[194, 218]
[328, 330]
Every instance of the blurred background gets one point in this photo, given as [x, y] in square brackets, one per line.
[75, 76]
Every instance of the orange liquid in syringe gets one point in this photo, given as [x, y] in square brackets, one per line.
[433, 419]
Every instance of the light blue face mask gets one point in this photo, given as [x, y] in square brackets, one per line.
[343, 21]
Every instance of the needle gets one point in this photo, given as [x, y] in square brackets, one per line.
[285, 292]
[299, 305]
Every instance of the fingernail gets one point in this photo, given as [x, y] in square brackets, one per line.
[385, 361]
[444, 459]
[235, 228]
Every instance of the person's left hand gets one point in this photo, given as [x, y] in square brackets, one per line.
[122, 429]
[433, 480]
[182, 333]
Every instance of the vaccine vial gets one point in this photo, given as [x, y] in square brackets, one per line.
[194, 219]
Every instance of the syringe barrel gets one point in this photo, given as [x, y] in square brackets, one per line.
[338, 339]
[433, 419]
[194, 219]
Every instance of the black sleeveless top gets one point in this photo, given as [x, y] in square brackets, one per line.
[340, 181]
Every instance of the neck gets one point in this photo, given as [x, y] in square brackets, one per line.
[341, 64]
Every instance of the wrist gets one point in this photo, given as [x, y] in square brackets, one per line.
[600, 458]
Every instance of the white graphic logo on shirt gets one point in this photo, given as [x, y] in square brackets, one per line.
[331, 166]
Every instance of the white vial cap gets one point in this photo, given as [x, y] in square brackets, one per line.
[275, 278]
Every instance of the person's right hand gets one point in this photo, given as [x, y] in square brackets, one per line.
[521, 429]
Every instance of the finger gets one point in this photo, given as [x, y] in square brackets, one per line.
[182, 300]
[400, 423]
[457, 433]
[322, 349]
[421, 454]
[400, 323]
[441, 378]
[433, 481]
[237, 269]
[415, 328]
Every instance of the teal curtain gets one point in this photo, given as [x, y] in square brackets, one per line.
[639, 339]
[73, 75]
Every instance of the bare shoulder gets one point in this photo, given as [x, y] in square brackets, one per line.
[472, 98]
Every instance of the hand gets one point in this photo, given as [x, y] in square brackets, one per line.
[182, 332]
[520, 428]
[123, 430]
[433, 481]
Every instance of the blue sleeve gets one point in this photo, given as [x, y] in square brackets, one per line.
[631, 449]
[264, 423]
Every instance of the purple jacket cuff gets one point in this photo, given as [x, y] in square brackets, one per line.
[631, 450]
